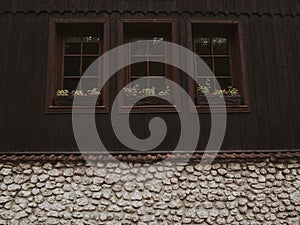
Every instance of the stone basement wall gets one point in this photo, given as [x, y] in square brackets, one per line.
[228, 192]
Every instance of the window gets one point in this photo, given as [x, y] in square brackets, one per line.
[78, 53]
[75, 43]
[73, 46]
[148, 68]
[219, 45]
[213, 49]
[137, 30]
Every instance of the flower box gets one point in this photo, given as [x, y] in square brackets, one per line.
[82, 100]
[145, 100]
[213, 99]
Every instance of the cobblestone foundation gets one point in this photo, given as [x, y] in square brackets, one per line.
[226, 192]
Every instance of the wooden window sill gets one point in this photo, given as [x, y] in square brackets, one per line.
[149, 109]
[68, 109]
[229, 108]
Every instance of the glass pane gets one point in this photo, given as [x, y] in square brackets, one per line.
[87, 61]
[135, 59]
[91, 45]
[73, 45]
[203, 46]
[159, 84]
[220, 46]
[133, 79]
[208, 61]
[224, 82]
[139, 69]
[157, 68]
[90, 48]
[73, 39]
[142, 83]
[139, 48]
[91, 39]
[157, 47]
[222, 66]
[89, 83]
[70, 84]
[72, 66]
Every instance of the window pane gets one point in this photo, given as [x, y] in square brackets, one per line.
[157, 47]
[73, 45]
[90, 48]
[220, 46]
[224, 82]
[72, 66]
[133, 79]
[159, 84]
[203, 46]
[139, 48]
[142, 84]
[157, 68]
[138, 69]
[89, 83]
[208, 61]
[222, 66]
[73, 39]
[90, 39]
[87, 61]
[91, 45]
[70, 84]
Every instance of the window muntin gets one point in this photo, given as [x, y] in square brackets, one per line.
[73, 45]
[79, 52]
[215, 52]
[135, 29]
[226, 60]
[149, 69]
[220, 44]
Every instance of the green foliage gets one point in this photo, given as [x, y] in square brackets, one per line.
[165, 92]
[64, 92]
[93, 91]
[231, 91]
[149, 91]
[203, 90]
[78, 93]
[218, 92]
[131, 91]
[89, 92]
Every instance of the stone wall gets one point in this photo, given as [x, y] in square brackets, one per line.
[226, 192]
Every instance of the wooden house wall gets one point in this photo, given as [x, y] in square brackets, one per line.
[272, 42]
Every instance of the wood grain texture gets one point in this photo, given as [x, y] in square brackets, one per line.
[156, 6]
[271, 44]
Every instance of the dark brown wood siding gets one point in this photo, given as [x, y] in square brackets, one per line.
[271, 39]
[157, 6]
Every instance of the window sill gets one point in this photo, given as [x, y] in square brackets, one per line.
[229, 108]
[149, 109]
[68, 109]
